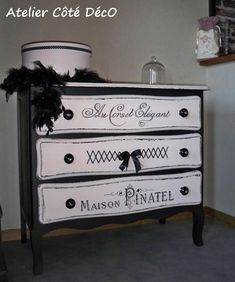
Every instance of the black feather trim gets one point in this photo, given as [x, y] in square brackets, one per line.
[47, 108]
[84, 75]
[47, 101]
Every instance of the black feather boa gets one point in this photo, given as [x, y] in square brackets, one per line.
[47, 101]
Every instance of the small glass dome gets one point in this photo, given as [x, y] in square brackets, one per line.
[153, 72]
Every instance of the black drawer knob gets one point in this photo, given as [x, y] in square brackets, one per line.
[183, 113]
[68, 158]
[184, 190]
[70, 203]
[68, 114]
[184, 152]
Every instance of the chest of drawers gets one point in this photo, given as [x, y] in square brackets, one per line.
[117, 154]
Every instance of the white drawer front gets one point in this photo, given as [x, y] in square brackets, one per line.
[127, 113]
[73, 157]
[117, 196]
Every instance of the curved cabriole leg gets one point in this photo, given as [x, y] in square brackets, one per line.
[36, 242]
[198, 223]
[23, 229]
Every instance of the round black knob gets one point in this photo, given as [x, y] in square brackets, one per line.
[68, 114]
[70, 203]
[68, 158]
[184, 190]
[183, 112]
[184, 152]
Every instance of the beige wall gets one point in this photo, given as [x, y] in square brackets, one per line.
[120, 47]
[163, 28]
[219, 149]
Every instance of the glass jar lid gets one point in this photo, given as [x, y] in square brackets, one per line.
[153, 72]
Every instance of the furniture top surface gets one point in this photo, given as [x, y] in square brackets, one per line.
[139, 85]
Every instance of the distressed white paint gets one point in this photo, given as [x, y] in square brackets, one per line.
[117, 196]
[99, 155]
[127, 113]
[139, 85]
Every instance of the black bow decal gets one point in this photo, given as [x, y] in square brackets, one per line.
[125, 156]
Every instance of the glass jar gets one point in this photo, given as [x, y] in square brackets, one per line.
[153, 72]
